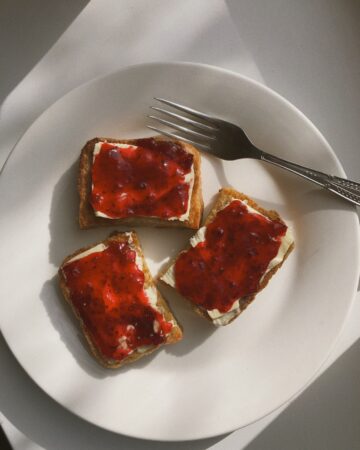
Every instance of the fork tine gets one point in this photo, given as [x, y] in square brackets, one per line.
[176, 136]
[181, 128]
[186, 109]
[192, 122]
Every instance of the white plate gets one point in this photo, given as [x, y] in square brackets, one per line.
[215, 380]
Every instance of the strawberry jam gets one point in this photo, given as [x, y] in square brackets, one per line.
[145, 179]
[107, 290]
[230, 263]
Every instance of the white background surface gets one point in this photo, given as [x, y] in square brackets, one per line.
[308, 51]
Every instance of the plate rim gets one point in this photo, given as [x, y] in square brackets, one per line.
[219, 69]
[331, 153]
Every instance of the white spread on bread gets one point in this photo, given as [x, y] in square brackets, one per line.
[286, 242]
[144, 348]
[98, 145]
[169, 276]
[123, 343]
[97, 248]
[189, 178]
[219, 318]
[198, 237]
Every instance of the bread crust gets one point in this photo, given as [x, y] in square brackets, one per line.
[225, 195]
[87, 217]
[176, 331]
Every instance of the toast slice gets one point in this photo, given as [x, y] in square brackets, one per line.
[111, 292]
[231, 258]
[153, 181]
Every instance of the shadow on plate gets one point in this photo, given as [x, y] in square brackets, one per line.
[298, 191]
[196, 328]
[220, 171]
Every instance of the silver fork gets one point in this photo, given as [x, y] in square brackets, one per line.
[228, 141]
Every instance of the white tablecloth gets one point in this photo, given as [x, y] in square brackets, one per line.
[308, 51]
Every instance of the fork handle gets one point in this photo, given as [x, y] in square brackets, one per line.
[347, 189]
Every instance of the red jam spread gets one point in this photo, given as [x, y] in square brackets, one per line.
[148, 180]
[230, 263]
[107, 290]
